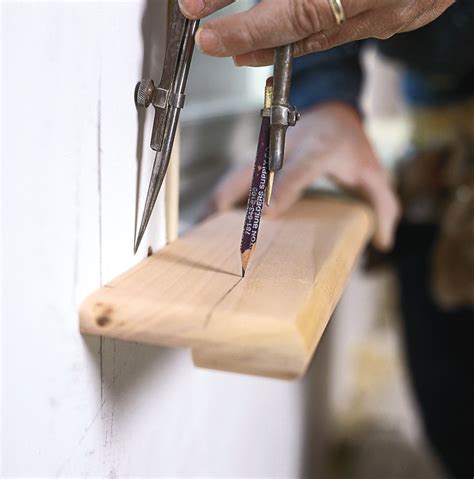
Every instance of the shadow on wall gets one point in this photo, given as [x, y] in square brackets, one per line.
[124, 366]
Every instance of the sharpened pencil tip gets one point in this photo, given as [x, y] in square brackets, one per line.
[244, 260]
[269, 189]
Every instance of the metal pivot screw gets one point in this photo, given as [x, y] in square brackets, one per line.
[293, 116]
[144, 92]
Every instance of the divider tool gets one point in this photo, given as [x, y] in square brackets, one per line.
[167, 99]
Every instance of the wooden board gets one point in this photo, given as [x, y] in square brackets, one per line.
[191, 294]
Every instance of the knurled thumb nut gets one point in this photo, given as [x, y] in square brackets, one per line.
[144, 92]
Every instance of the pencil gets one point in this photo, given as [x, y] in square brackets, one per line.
[256, 199]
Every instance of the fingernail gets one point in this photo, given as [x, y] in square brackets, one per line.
[245, 60]
[384, 239]
[208, 42]
[191, 8]
[236, 62]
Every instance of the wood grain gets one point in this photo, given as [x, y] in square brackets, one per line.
[172, 190]
[190, 294]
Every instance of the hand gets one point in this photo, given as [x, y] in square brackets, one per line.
[329, 140]
[250, 36]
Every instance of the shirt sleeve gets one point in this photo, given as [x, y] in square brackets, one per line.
[331, 75]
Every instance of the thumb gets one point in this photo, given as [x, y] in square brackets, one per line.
[232, 189]
[269, 24]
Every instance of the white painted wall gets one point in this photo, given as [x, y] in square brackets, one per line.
[75, 406]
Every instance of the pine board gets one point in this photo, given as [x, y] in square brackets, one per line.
[190, 294]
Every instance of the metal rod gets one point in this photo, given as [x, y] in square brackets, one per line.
[282, 74]
[281, 91]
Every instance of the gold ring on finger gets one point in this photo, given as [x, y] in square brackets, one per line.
[337, 10]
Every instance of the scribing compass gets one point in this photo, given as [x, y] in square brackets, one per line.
[168, 100]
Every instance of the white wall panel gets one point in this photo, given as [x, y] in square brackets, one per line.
[77, 406]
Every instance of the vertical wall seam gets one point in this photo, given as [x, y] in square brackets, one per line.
[99, 192]
[99, 179]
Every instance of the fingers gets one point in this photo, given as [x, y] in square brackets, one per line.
[427, 15]
[290, 184]
[269, 24]
[381, 23]
[243, 32]
[233, 189]
[195, 9]
[378, 24]
[356, 28]
[376, 188]
[310, 24]
[373, 185]
[359, 27]
[296, 177]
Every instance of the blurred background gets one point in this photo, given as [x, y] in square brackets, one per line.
[76, 406]
[360, 419]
